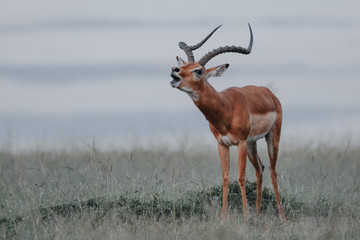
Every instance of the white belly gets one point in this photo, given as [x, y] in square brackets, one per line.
[260, 125]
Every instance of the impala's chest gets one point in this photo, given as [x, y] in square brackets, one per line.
[229, 140]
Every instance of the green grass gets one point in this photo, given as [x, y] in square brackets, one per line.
[162, 193]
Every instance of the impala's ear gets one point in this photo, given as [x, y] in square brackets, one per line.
[217, 71]
[180, 61]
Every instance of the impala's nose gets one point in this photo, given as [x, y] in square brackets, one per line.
[176, 79]
[175, 69]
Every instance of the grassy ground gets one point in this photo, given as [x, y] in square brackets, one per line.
[161, 193]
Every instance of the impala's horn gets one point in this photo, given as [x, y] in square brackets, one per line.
[227, 49]
[188, 49]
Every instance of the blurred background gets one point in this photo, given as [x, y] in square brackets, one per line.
[80, 71]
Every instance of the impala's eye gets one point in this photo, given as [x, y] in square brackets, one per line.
[198, 71]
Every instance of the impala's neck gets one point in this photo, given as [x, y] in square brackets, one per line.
[215, 107]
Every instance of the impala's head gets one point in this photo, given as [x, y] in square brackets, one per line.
[190, 75]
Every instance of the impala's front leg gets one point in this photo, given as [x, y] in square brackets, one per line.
[242, 151]
[225, 163]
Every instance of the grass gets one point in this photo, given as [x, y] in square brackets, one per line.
[162, 193]
[194, 203]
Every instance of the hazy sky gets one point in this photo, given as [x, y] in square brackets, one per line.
[114, 57]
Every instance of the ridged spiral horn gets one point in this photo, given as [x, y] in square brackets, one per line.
[188, 49]
[226, 49]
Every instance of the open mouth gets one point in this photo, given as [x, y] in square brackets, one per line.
[176, 80]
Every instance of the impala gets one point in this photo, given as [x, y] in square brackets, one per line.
[237, 117]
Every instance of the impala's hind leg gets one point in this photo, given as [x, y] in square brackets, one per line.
[259, 168]
[273, 139]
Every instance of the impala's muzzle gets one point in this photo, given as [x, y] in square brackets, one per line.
[176, 79]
